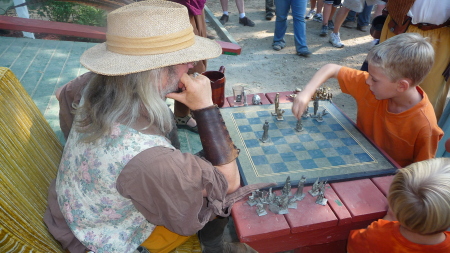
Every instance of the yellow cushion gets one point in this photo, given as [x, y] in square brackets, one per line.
[29, 157]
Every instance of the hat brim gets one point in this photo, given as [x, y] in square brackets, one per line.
[102, 61]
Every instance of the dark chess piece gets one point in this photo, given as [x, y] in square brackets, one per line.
[265, 136]
[299, 125]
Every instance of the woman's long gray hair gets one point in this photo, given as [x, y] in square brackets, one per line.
[123, 99]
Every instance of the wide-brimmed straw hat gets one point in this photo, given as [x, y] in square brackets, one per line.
[148, 35]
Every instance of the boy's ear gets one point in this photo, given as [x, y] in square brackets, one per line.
[404, 84]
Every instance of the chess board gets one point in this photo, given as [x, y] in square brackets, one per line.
[332, 150]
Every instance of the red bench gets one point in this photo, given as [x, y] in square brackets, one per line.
[85, 31]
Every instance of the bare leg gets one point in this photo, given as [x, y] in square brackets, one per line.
[239, 5]
[312, 4]
[340, 17]
[326, 13]
[224, 4]
[320, 5]
[333, 10]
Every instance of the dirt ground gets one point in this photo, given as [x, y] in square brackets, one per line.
[261, 69]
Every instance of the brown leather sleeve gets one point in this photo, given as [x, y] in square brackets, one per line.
[217, 144]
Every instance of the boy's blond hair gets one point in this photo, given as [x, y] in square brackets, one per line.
[407, 55]
[419, 196]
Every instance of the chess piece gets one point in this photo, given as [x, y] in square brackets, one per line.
[274, 208]
[280, 114]
[271, 197]
[316, 105]
[265, 136]
[277, 104]
[299, 195]
[244, 96]
[251, 200]
[287, 187]
[305, 113]
[315, 188]
[321, 200]
[299, 125]
[265, 197]
[256, 100]
[260, 210]
[292, 203]
[319, 117]
[284, 202]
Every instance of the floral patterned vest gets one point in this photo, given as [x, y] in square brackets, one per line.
[101, 218]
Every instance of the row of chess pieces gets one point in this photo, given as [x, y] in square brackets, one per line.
[279, 204]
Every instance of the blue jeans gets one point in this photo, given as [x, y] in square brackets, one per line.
[298, 13]
[363, 17]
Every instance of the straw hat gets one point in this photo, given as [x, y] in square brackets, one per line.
[148, 35]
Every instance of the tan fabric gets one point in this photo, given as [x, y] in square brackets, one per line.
[29, 157]
[433, 84]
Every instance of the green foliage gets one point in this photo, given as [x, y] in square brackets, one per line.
[70, 12]
[88, 15]
[57, 11]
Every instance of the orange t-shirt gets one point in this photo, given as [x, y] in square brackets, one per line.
[407, 137]
[384, 236]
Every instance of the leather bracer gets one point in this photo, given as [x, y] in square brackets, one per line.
[218, 147]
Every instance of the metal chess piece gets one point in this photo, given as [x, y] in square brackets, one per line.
[278, 112]
[305, 113]
[287, 187]
[292, 203]
[299, 195]
[316, 105]
[299, 125]
[319, 118]
[284, 202]
[265, 136]
[256, 100]
[260, 210]
[321, 200]
[244, 95]
[315, 188]
[251, 200]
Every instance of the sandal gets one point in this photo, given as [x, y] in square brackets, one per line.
[182, 123]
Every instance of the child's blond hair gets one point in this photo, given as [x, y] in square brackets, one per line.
[419, 196]
[407, 55]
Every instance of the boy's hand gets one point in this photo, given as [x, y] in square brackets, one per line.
[302, 99]
[300, 103]
[196, 93]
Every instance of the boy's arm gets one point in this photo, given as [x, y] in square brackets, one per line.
[302, 99]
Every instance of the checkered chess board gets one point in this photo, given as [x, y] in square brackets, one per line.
[333, 150]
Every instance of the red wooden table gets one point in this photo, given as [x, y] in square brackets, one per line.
[311, 227]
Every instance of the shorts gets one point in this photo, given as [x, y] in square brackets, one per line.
[335, 3]
[357, 5]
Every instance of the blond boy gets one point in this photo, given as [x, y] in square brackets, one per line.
[419, 214]
[392, 109]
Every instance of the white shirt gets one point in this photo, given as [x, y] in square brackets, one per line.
[434, 12]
